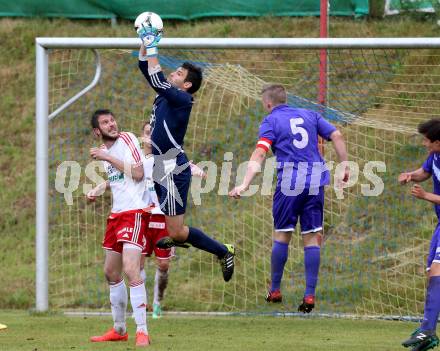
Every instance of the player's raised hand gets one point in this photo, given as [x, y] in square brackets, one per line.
[149, 35]
[91, 195]
[404, 178]
[346, 174]
[196, 170]
[149, 38]
[342, 177]
[237, 191]
[97, 191]
[418, 192]
[98, 153]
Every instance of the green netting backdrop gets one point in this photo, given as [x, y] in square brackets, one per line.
[173, 9]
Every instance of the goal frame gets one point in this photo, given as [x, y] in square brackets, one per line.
[43, 44]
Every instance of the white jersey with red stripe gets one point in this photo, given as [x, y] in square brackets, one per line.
[127, 193]
[150, 195]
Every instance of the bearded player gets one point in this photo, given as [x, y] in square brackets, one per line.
[124, 237]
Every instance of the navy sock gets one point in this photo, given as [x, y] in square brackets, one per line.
[278, 260]
[432, 304]
[203, 242]
[312, 258]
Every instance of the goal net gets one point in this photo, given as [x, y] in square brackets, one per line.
[375, 244]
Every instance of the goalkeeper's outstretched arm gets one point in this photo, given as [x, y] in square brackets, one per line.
[150, 68]
[143, 63]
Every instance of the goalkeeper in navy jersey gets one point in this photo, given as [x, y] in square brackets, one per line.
[172, 175]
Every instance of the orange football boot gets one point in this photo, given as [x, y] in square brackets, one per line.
[142, 339]
[111, 335]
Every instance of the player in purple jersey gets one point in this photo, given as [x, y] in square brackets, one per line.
[293, 133]
[424, 338]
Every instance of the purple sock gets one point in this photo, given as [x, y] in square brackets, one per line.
[432, 304]
[312, 258]
[278, 260]
[203, 242]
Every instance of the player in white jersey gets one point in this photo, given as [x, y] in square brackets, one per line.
[156, 228]
[124, 237]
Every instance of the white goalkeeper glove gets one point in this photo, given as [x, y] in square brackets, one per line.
[149, 37]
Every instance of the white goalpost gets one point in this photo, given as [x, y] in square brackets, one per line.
[374, 245]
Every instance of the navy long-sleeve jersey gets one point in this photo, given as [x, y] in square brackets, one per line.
[169, 121]
[170, 114]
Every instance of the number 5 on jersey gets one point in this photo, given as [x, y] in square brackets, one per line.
[294, 123]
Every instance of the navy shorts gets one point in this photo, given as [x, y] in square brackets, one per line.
[309, 209]
[172, 179]
[434, 249]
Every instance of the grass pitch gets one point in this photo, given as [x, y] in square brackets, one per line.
[58, 332]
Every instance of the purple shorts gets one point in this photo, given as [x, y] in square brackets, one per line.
[308, 208]
[434, 248]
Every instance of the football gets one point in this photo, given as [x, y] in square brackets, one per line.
[149, 21]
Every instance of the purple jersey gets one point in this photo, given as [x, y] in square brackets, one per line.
[432, 165]
[293, 135]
